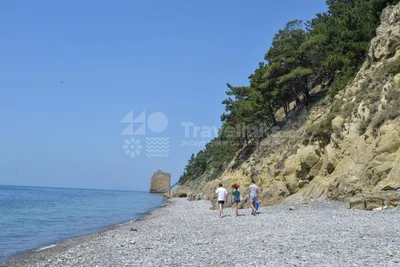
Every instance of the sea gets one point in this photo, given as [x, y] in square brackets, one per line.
[36, 218]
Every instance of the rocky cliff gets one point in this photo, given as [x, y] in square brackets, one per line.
[160, 182]
[337, 149]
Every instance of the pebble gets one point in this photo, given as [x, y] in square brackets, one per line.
[188, 233]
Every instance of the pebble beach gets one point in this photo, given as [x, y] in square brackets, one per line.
[188, 233]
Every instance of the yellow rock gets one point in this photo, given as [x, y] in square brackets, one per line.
[337, 123]
[396, 79]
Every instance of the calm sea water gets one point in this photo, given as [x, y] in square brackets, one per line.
[35, 217]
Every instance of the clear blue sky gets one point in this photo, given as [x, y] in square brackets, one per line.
[71, 70]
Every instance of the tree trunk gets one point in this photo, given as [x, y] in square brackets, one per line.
[271, 112]
[306, 91]
[247, 138]
[285, 108]
[296, 97]
[306, 96]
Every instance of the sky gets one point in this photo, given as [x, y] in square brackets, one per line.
[82, 83]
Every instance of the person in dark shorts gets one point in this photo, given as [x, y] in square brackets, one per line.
[222, 195]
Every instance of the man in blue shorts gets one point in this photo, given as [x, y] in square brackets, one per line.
[253, 196]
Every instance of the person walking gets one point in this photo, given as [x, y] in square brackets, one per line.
[236, 198]
[222, 196]
[253, 196]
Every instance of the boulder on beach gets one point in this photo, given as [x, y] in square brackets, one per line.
[160, 182]
[375, 200]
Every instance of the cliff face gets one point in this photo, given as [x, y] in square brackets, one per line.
[336, 149]
[160, 182]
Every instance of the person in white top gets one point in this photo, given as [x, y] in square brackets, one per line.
[222, 196]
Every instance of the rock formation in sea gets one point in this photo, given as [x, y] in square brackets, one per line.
[160, 182]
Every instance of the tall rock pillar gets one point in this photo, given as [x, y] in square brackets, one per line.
[160, 182]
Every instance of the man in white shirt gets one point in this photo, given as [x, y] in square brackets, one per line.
[222, 196]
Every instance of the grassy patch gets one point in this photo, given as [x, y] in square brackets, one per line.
[342, 108]
[320, 131]
[340, 82]
[378, 120]
[391, 111]
[347, 110]
[393, 66]
[364, 125]
[373, 96]
[337, 106]
[393, 96]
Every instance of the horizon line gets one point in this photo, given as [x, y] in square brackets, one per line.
[74, 188]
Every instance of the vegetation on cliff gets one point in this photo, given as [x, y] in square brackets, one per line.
[328, 50]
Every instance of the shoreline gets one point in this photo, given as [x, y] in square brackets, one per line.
[188, 233]
[31, 256]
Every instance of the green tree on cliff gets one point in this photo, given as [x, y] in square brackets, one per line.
[328, 49]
